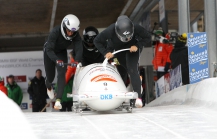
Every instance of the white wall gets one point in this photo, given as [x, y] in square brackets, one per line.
[199, 94]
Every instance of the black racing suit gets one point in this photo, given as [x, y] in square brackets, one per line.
[179, 55]
[127, 59]
[38, 91]
[91, 56]
[56, 49]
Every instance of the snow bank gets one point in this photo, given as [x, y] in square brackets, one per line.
[203, 93]
[13, 124]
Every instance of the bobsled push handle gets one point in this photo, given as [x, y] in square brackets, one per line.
[73, 64]
[106, 59]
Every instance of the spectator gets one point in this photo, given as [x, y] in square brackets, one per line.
[161, 60]
[70, 70]
[179, 55]
[38, 91]
[14, 90]
[2, 86]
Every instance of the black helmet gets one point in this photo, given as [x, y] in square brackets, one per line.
[89, 34]
[124, 28]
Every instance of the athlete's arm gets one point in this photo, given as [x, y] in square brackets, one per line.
[50, 45]
[101, 40]
[143, 36]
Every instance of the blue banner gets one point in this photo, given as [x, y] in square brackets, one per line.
[198, 57]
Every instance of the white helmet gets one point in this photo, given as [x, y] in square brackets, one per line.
[70, 22]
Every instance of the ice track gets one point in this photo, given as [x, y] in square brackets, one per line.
[189, 112]
[163, 122]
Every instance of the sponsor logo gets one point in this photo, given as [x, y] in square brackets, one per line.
[126, 33]
[106, 97]
[73, 29]
[82, 96]
[197, 41]
[202, 62]
[101, 69]
[24, 106]
[198, 75]
[21, 78]
[202, 45]
[103, 77]
[198, 57]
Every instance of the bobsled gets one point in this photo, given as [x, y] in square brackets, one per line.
[100, 87]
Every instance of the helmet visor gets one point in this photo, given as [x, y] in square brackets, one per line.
[89, 36]
[125, 38]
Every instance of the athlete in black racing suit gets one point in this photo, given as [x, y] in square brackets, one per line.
[55, 54]
[124, 34]
[90, 53]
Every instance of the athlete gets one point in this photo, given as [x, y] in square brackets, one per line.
[124, 34]
[55, 54]
[90, 53]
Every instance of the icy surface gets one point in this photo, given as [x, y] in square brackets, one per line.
[163, 122]
[188, 112]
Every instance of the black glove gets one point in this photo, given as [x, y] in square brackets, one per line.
[60, 63]
[167, 66]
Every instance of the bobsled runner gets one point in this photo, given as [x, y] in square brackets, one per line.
[100, 87]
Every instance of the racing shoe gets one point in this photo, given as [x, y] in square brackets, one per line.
[57, 105]
[50, 93]
[138, 103]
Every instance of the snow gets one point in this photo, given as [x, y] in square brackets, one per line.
[187, 112]
[13, 124]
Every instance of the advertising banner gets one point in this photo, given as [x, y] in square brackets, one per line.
[198, 57]
[167, 82]
[175, 77]
[160, 87]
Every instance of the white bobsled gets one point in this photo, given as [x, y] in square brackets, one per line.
[100, 87]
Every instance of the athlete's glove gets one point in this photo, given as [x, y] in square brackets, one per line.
[74, 64]
[60, 63]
